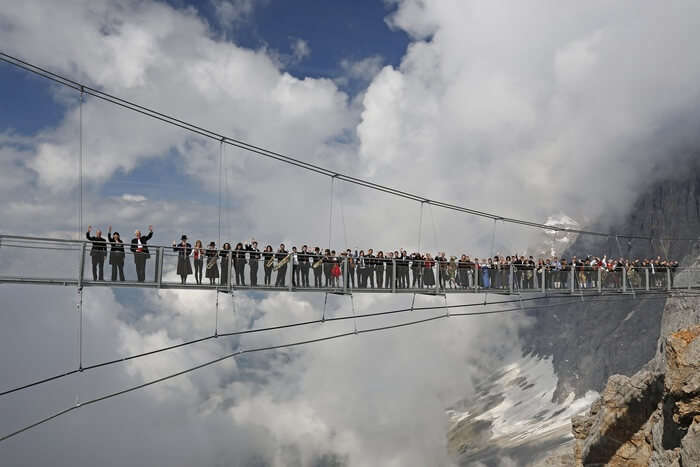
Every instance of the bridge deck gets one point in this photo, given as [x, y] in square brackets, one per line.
[331, 290]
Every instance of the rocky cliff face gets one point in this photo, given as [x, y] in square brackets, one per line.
[653, 417]
[590, 341]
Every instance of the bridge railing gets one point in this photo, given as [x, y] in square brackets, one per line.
[41, 260]
[38, 258]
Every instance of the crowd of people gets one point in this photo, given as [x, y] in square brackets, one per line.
[393, 269]
[98, 253]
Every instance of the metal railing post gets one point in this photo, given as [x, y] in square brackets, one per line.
[544, 277]
[81, 268]
[476, 277]
[393, 275]
[159, 266]
[510, 279]
[600, 279]
[155, 272]
[437, 276]
[229, 282]
[345, 274]
[624, 279]
[691, 278]
[291, 272]
[668, 278]
[646, 278]
[572, 285]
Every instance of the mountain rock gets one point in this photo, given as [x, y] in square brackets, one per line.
[653, 417]
[591, 340]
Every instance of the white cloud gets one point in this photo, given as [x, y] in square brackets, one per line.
[231, 12]
[361, 71]
[510, 100]
[300, 49]
[131, 198]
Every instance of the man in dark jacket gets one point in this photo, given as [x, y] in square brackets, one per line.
[281, 254]
[98, 252]
[116, 254]
[304, 264]
[139, 248]
[253, 258]
[371, 263]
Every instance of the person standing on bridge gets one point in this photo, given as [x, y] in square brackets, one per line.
[462, 272]
[361, 270]
[238, 264]
[212, 265]
[390, 273]
[428, 273]
[416, 266]
[442, 262]
[371, 263]
[327, 265]
[139, 248]
[198, 253]
[379, 265]
[296, 268]
[268, 257]
[183, 250]
[304, 265]
[402, 269]
[316, 265]
[116, 254]
[282, 256]
[97, 253]
[227, 257]
[350, 265]
[253, 259]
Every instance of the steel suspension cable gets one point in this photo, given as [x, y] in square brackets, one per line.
[279, 156]
[221, 167]
[247, 351]
[80, 170]
[298, 324]
[342, 218]
[420, 228]
[432, 219]
[330, 213]
[216, 318]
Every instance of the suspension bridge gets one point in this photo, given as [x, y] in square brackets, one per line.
[43, 261]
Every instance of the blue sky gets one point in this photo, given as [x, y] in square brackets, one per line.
[335, 30]
[27, 103]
